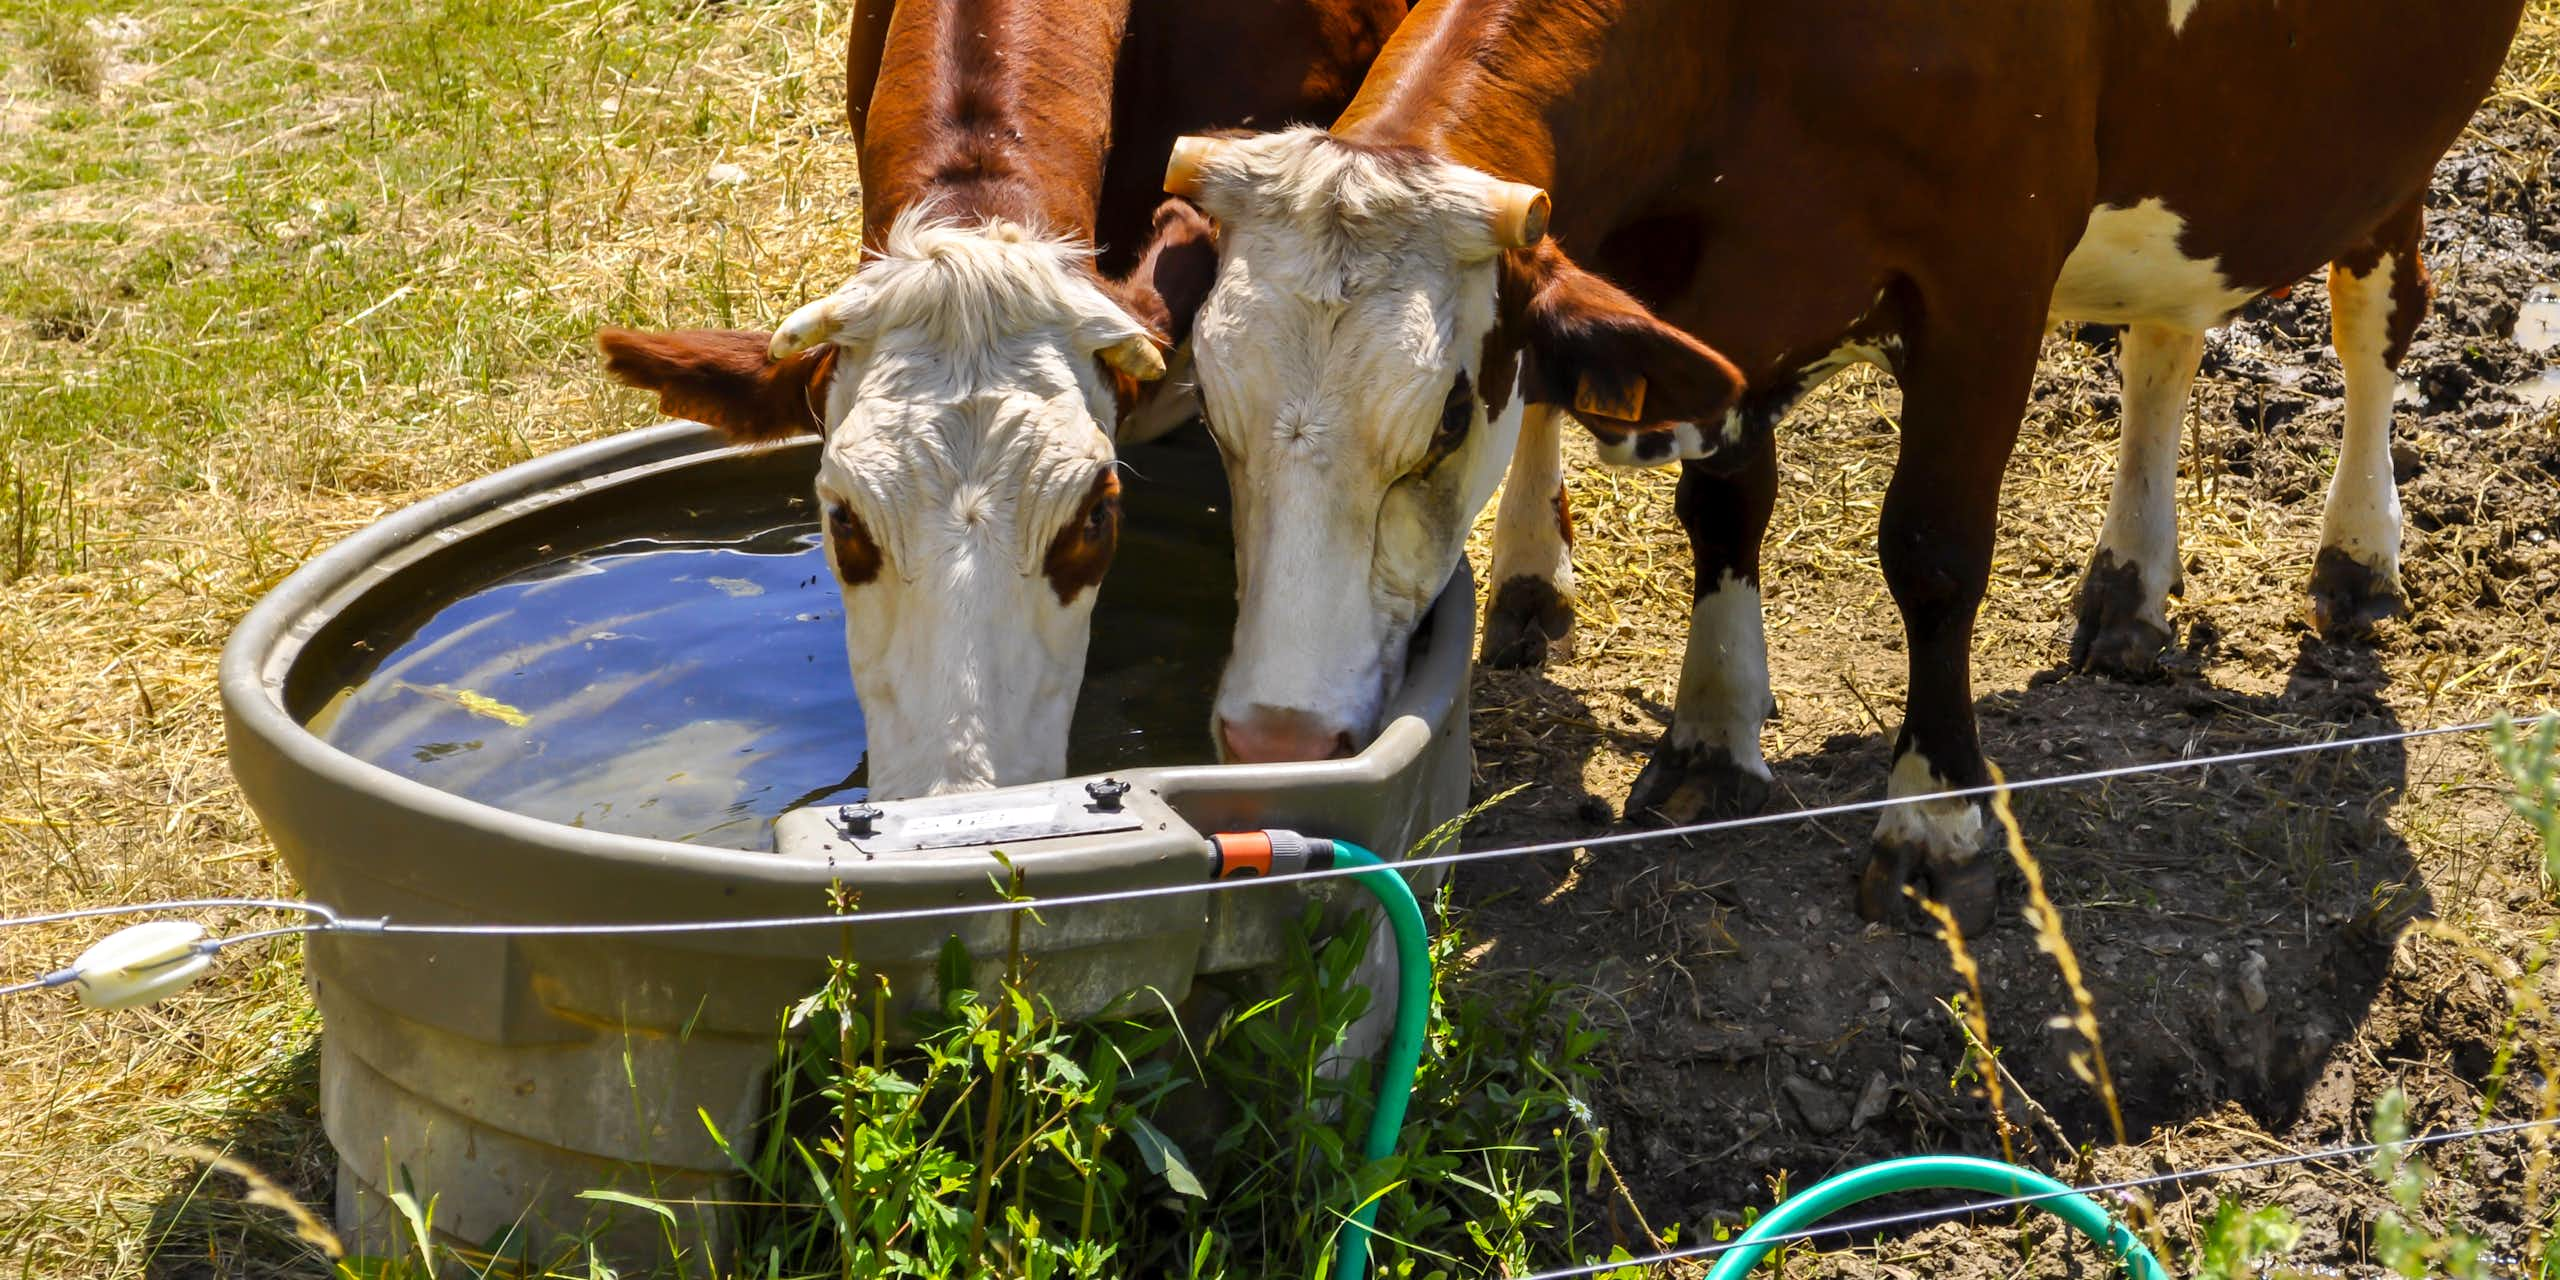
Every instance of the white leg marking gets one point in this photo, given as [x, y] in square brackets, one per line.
[2362, 518]
[1949, 830]
[1528, 540]
[2142, 514]
[1724, 678]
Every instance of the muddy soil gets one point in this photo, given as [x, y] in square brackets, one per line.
[2270, 946]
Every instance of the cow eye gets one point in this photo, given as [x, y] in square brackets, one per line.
[1457, 414]
[1102, 517]
[1082, 551]
[856, 556]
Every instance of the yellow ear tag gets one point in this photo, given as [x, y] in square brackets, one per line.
[1588, 399]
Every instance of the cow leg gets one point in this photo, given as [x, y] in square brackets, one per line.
[1708, 763]
[2376, 299]
[1532, 605]
[1964, 390]
[2124, 598]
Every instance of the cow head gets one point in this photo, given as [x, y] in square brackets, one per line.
[1379, 319]
[964, 380]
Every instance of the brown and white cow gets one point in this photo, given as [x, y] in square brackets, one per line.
[1803, 186]
[970, 376]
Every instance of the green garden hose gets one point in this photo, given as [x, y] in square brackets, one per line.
[1925, 1173]
[1266, 852]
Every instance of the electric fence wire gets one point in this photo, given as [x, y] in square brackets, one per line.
[331, 921]
[2103, 1189]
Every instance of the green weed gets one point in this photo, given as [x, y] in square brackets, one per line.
[2530, 757]
[2402, 1238]
[1006, 1141]
[2237, 1241]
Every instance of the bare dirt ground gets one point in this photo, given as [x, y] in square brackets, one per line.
[2271, 946]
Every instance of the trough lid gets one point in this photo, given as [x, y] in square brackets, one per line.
[1014, 815]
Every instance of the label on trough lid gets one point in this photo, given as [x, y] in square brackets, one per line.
[973, 827]
[1011, 816]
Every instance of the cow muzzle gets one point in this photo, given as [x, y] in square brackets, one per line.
[1279, 735]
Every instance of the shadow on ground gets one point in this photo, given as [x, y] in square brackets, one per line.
[204, 1228]
[2235, 924]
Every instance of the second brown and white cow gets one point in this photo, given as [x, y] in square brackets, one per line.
[971, 377]
[1802, 187]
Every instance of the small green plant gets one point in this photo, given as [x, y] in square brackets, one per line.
[2401, 1241]
[2237, 1241]
[996, 1145]
[2529, 755]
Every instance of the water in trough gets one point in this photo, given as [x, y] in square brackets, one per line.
[693, 688]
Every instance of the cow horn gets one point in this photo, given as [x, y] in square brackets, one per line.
[1191, 154]
[1135, 356]
[1518, 214]
[807, 327]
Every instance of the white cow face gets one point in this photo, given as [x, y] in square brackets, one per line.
[1365, 387]
[1340, 357]
[968, 490]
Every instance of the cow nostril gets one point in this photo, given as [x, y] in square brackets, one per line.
[1342, 748]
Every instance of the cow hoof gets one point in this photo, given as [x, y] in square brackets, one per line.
[2113, 638]
[1968, 889]
[1528, 621]
[1682, 785]
[2348, 596]
[2121, 648]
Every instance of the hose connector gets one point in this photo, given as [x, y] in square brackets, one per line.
[1271, 851]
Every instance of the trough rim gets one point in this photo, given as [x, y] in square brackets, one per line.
[272, 637]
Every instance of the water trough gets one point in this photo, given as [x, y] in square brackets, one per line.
[506, 1075]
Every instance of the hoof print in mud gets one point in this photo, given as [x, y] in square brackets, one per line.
[1527, 624]
[1681, 785]
[2349, 598]
[1969, 890]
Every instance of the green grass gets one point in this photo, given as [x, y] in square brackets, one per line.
[393, 217]
[208, 330]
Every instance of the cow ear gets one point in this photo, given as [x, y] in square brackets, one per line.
[1173, 275]
[1649, 392]
[724, 378]
[1161, 294]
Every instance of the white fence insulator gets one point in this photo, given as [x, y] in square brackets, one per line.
[141, 964]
